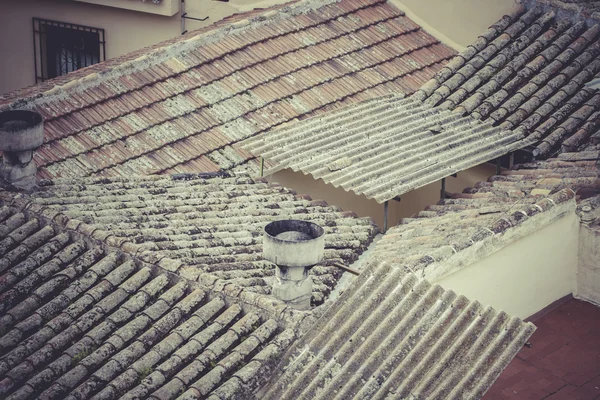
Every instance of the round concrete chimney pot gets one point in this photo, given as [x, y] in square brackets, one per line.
[293, 243]
[20, 130]
[294, 246]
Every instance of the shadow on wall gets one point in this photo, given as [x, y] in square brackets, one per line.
[410, 203]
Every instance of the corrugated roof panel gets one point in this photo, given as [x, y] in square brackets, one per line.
[439, 345]
[383, 148]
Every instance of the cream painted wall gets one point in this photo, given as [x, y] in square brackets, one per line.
[411, 203]
[456, 22]
[164, 7]
[526, 275]
[126, 30]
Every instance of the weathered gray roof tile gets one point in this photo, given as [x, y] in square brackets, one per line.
[542, 59]
[195, 225]
[79, 321]
[490, 208]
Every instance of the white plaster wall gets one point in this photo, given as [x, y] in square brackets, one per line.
[411, 203]
[524, 276]
[588, 274]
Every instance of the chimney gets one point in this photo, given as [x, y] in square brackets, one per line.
[21, 132]
[294, 246]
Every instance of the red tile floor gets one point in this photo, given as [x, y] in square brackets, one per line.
[563, 362]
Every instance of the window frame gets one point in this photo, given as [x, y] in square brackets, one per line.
[40, 49]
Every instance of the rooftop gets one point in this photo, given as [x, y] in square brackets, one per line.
[563, 361]
[383, 148]
[531, 195]
[80, 320]
[184, 105]
[527, 74]
[203, 227]
[437, 344]
[117, 285]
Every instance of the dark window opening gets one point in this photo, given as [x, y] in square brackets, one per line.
[518, 157]
[60, 48]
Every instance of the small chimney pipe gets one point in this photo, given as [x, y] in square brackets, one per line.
[21, 132]
[295, 247]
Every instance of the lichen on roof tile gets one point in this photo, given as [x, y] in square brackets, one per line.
[527, 74]
[285, 63]
[209, 226]
[438, 344]
[427, 242]
[79, 320]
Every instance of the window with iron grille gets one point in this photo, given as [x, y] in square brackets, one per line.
[60, 48]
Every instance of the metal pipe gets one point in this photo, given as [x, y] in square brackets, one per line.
[511, 160]
[443, 191]
[343, 267]
[385, 217]
[262, 166]
[182, 13]
[195, 19]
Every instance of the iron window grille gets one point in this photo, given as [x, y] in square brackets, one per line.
[60, 47]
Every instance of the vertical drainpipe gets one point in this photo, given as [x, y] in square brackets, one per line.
[181, 13]
[443, 190]
[262, 166]
[385, 216]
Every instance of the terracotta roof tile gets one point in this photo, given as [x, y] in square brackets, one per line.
[220, 78]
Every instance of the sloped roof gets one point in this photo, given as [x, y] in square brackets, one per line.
[384, 147]
[526, 73]
[493, 208]
[185, 105]
[392, 335]
[78, 320]
[587, 8]
[203, 228]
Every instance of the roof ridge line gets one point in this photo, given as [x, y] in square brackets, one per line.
[576, 10]
[151, 55]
